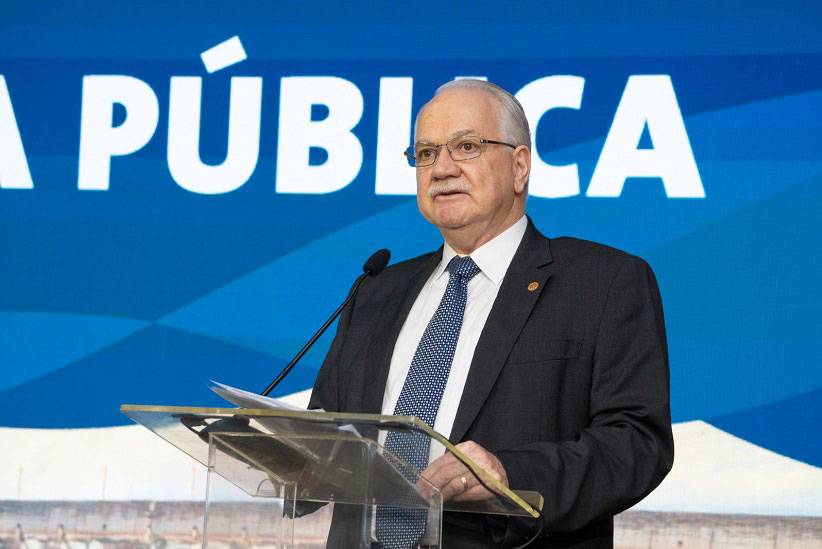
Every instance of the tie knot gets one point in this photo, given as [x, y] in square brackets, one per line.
[464, 267]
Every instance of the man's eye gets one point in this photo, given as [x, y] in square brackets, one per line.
[423, 154]
[467, 146]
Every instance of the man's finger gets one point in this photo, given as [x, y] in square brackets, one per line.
[435, 466]
[447, 474]
[476, 493]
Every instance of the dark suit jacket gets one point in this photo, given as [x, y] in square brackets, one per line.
[568, 386]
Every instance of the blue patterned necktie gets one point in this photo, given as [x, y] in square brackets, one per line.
[399, 528]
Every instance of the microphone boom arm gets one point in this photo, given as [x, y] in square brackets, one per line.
[375, 264]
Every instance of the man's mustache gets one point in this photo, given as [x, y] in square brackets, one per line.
[448, 187]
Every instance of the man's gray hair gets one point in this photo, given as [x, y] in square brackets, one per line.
[512, 120]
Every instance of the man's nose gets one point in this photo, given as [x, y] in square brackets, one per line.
[445, 166]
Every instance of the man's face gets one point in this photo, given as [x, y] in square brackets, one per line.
[476, 195]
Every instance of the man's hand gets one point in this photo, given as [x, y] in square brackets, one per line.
[456, 481]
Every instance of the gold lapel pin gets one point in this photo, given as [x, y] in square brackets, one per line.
[533, 286]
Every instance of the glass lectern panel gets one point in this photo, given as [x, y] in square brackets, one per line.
[325, 457]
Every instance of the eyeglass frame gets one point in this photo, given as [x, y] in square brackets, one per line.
[412, 159]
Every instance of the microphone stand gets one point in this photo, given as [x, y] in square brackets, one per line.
[374, 266]
[315, 337]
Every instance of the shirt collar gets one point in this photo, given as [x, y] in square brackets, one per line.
[493, 257]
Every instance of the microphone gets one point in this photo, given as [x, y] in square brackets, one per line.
[377, 262]
[373, 266]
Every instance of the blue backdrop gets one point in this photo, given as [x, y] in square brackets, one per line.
[142, 291]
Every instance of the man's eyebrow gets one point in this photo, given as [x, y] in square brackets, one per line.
[453, 136]
[461, 133]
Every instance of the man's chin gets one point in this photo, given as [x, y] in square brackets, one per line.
[451, 222]
[452, 211]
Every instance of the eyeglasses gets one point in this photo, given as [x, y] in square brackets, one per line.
[460, 148]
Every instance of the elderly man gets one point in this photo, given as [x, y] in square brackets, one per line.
[544, 360]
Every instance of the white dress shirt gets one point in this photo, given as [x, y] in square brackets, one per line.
[493, 259]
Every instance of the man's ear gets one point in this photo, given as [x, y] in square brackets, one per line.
[522, 168]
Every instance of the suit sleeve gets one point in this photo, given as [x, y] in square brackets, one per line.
[627, 449]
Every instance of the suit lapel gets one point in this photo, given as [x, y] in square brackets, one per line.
[381, 347]
[508, 315]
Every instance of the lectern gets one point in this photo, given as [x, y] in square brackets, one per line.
[326, 475]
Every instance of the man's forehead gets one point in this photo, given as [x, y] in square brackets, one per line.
[455, 112]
